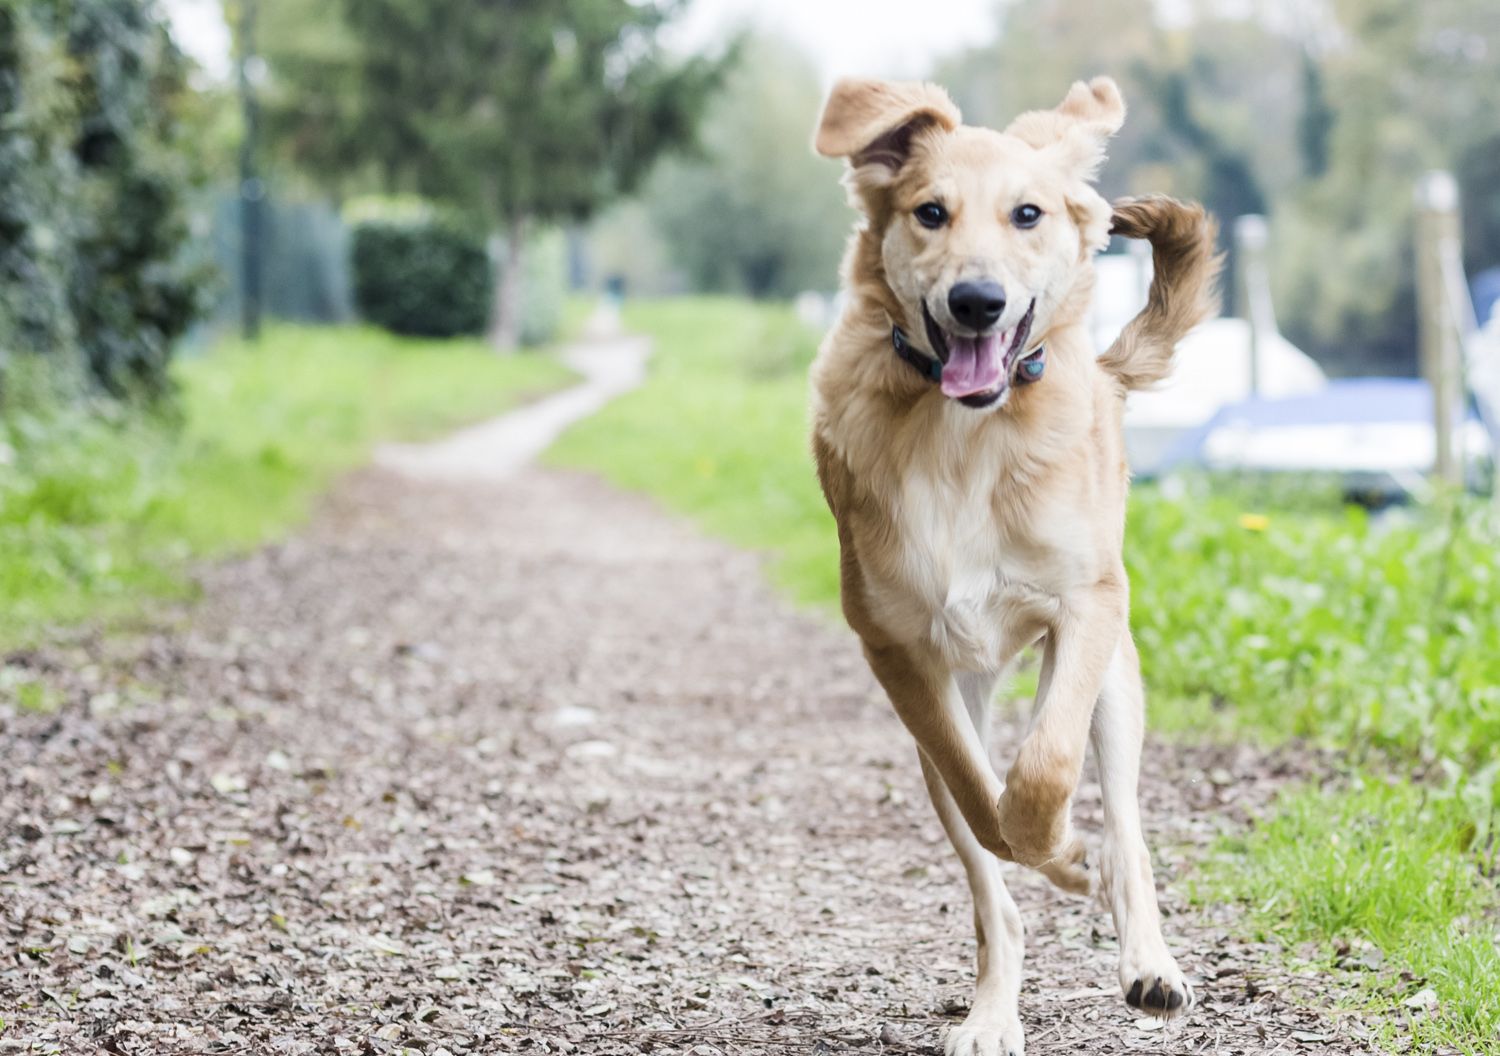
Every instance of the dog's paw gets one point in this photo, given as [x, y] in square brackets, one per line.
[1037, 836]
[986, 1035]
[1070, 870]
[1156, 986]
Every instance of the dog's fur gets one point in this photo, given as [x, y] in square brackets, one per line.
[968, 534]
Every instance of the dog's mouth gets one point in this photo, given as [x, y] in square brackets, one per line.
[977, 370]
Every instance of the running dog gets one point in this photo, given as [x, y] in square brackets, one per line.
[968, 441]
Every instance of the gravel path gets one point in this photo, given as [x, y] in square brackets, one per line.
[530, 766]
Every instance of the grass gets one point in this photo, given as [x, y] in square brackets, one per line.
[719, 432]
[1328, 624]
[1387, 885]
[100, 511]
[1269, 616]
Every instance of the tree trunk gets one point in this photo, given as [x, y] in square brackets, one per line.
[505, 323]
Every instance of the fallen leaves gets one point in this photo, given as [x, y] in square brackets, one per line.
[616, 800]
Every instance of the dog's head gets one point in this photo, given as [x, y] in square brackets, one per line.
[977, 242]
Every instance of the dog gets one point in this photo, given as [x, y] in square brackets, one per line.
[968, 441]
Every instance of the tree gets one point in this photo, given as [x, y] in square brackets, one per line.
[1315, 122]
[1046, 45]
[512, 112]
[1412, 87]
[1476, 173]
[758, 212]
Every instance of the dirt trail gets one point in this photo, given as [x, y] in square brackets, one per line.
[530, 766]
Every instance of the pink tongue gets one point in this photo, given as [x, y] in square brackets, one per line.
[973, 365]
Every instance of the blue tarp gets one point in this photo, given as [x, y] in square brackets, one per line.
[1352, 401]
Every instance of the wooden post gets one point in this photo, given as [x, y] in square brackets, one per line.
[1438, 329]
[1253, 287]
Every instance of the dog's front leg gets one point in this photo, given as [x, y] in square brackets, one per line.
[993, 1025]
[949, 717]
[928, 701]
[1149, 976]
[1035, 820]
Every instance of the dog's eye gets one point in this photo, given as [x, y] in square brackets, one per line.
[1026, 215]
[931, 215]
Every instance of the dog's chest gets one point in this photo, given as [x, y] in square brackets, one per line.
[969, 584]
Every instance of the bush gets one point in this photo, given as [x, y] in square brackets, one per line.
[94, 273]
[103, 503]
[426, 279]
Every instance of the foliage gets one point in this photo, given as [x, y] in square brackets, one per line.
[427, 279]
[1337, 627]
[546, 113]
[1476, 177]
[1392, 885]
[99, 509]
[37, 171]
[758, 213]
[93, 268]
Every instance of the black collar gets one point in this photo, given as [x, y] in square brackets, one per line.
[931, 368]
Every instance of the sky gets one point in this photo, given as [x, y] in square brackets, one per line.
[892, 38]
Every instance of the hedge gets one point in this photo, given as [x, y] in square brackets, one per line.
[425, 279]
[94, 269]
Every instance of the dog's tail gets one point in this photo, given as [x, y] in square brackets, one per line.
[1183, 290]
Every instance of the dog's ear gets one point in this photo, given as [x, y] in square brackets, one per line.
[872, 122]
[1080, 126]
[1076, 133]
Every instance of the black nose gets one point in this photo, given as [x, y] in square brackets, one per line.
[977, 305]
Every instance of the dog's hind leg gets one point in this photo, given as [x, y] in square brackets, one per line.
[1149, 974]
[993, 1026]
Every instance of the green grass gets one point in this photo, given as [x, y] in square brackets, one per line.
[719, 433]
[100, 511]
[1322, 624]
[1392, 890]
[1268, 615]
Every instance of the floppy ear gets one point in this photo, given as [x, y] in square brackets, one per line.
[1076, 133]
[873, 122]
[1079, 127]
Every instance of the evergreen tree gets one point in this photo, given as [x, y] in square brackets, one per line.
[512, 112]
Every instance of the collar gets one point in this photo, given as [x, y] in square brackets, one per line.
[1033, 365]
[930, 367]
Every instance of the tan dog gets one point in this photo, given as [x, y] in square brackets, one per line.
[969, 443]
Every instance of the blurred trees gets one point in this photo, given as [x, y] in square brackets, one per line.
[1411, 87]
[757, 212]
[1322, 115]
[511, 114]
[94, 270]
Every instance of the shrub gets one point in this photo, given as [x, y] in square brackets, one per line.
[425, 279]
[94, 272]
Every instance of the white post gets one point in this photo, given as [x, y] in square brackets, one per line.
[1253, 287]
[1438, 328]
